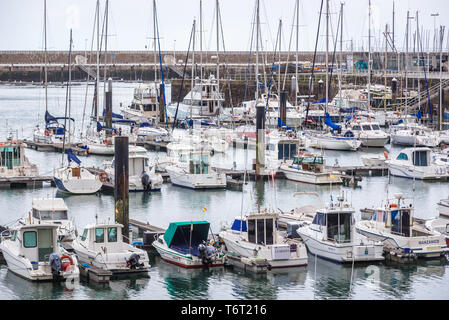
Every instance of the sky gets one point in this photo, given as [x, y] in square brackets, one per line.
[131, 23]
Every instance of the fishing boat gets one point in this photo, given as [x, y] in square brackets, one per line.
[142, 175]
[257, 236]
[54, 211]
[192, 170]
[13, 162]
[331, 235]
[144, 106]
[309, 168]
[101, 245]
[415, 163]
[76, 179]
[33, 251]
[394, 225]
[186, 244]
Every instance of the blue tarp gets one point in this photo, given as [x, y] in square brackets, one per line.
[329, 123]
[114, 115]
[49, 117]
[446, 115]
[100, 127]
[72, 157]
[281, 124]
[321, 101]
[349, 110]
[418, 115]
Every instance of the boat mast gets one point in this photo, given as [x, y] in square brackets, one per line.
[105, 59]
[193, 71]
[297, 46]
[70, 85]
[327, 55]
[45, 57]
[341, 53]
[201, 57]
[218, 43]
[406, 62]
[155, 57]
[279, 66]
[369, 54]
[98, 60]
[257, 51]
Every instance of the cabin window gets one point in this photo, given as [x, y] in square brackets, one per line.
[400, 222]
[84, 236]
[269, 231]
[29, 239]
[14, 235]
[366, 128]
[50, 215]
[320, 219]
[99, 235]
[356, 128]
[112, 234]
[375, 127]
[420, 158]
[260, 231]
[402, 156]
[7, 156]
[251, 230]
[339, 227]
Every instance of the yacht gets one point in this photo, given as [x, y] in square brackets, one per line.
[54, 211]
[257, 236]
[101, 245]
[204, 100]
[33, 251]
[186, 244]
[415, 163]
[53, 132]
[374, 160]
[192, 170]
[393, 224]
[76, 179]
[331, 235]
[414, 135]
[309, 168]
[13, 162]
[142, 175]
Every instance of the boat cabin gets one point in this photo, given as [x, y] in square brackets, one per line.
[103, 237]
[205, 94]
[365, 126]
[309, 162]
[36, 241]
[261, 228]
[198, 162]
[418, 157]
[335, 222]
[49, 209]
[286, 149]
[397, 218]
[11, 155]
[185, 237]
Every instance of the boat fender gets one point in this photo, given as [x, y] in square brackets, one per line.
[393, 205]
[103, 176]
[386, 155]
[47, 133]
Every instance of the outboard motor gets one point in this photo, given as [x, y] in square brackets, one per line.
[146, 182]
[56, 266]
[206, 253]
[133, 262]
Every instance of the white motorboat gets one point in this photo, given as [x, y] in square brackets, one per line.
[329, 141]
[142, 175]
[414, 135]
[204, 100]
[144, 106]
[309, 168]
[374, 160]
[14, 163]
[33, 252]
[76, 179]
[257, 236]
[54, 211]
[331, 235]
[369, 133]
[393, 224]
[101, 145]
[193, 171]
[416, 163]
[101, 245]
[441, 157]
[147, 133]
[186, 244]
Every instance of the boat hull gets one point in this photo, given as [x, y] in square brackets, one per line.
[310, 177]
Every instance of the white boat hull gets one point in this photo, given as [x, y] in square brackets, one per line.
[310, 177]
[196, 181]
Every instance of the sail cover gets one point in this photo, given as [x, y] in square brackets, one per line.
[72, 157]
[49, 117]
[329, 123]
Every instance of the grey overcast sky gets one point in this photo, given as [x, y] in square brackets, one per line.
[130, 22]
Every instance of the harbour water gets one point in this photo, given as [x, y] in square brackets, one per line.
[23, 107]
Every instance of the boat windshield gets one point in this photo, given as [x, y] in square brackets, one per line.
[9, 157]
[308, 160]
[400, 222]
[366, 127]
[50, 215]
[339, 227]
[260, 231]
[199, 164]
[375, 127]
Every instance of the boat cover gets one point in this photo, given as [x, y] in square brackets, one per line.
[178, 237]
[72, 157]
[328, 122]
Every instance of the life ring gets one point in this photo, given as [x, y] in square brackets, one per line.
[103, 177]
[228, 139]
[308, 155]
[47, 133]
[393, 205]
[67, 257]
